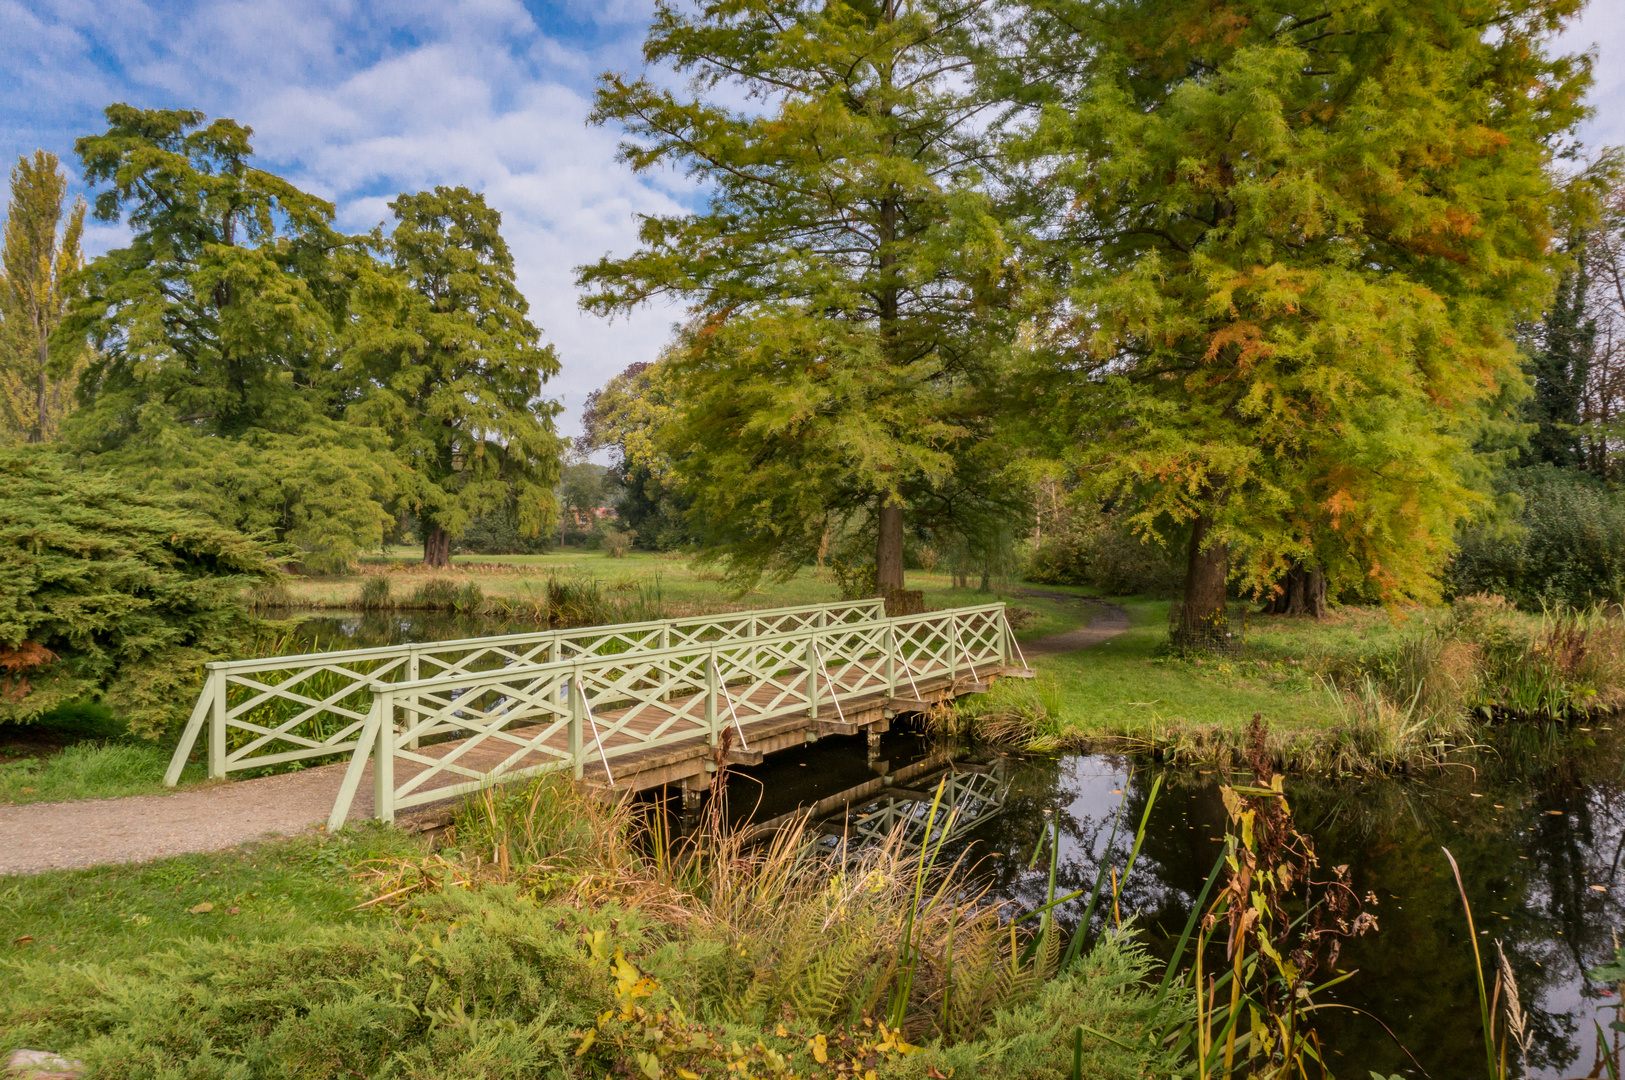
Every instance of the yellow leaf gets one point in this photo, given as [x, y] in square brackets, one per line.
[201, 908]
[586, 1041]
[820, 1050]
[781, 1032]
[684, 1074]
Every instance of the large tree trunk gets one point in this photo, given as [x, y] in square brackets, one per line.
[889, 549]
[1303, 592]
[1206, 572]
[436, 547]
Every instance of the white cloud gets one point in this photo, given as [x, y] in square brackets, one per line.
[1602, 27]
[357, 102]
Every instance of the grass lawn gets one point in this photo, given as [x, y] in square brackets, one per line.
[272, 890]
[1129, 687]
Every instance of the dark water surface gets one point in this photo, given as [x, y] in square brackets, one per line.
[1536, 820]
[1537, 824]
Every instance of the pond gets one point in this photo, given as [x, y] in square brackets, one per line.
[1537, 823]
[1536, 819]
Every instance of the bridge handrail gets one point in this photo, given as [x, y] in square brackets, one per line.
[684, 692]
[346, 705]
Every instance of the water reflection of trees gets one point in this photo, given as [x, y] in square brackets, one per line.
[1529, 874]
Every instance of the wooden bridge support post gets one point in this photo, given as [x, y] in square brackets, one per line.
[412, 670]
[217, 727]
[578, 717]
[891, 660]
[812, 677]
[383, 762]
[712, 686]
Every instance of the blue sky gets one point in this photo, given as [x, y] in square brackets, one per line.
[359, 101]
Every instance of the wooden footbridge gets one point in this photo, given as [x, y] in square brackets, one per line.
[629, 706]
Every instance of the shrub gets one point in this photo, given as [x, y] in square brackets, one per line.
[469, 599]
[617, 542]
[1567, 546]
[108, 592]
[498, 534]
[1097, 550]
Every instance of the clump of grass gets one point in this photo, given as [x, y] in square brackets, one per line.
[89, 770]
[435, 594]
[270, 596]
[375, 593]
[469, 600]
[580, 600]
[1488, 660]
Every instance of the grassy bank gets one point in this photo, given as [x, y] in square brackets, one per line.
[547, 941]
[82, 751]
[1362, 689]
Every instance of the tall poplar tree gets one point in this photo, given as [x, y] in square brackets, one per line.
[38, 366]
[1295, 238]
[845, 280]
[454, 370]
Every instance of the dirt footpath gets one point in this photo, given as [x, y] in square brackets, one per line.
[1106, 620]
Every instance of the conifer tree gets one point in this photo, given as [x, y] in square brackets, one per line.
[38, 366]
[1292, 241]
[216, 334]
[845, 281]
[1558, 368]
[454, 370]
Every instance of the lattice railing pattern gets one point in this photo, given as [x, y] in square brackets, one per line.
[527, 719]
[273, 710]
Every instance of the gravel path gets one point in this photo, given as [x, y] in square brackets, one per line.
[96, 832]
[93, 832]
[1105, 621]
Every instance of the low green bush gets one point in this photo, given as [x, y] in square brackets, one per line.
[1566, 547]
[108, 593]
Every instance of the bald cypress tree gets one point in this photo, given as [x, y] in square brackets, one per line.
[845, 280]
[1290, 243]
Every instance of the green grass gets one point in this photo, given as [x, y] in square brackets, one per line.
[82, 751]
[687, 588]
[1130, 687]
[91, 770]
[272, 890]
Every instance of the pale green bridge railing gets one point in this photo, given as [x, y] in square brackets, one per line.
[595, 709]
[279, 709]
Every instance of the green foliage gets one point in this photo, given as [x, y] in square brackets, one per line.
[627, 417]
[1098, 549]
[1295, 242]
[38, 366]
[1559, 367]
[1567, 545]
[217, 331]
[498, 533]
[847, 280]
[127, 592]
[452, 366]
